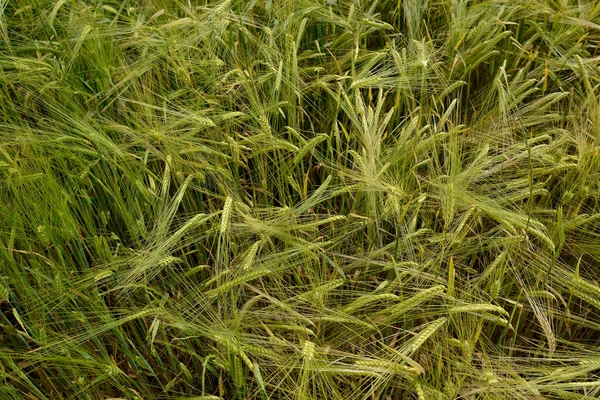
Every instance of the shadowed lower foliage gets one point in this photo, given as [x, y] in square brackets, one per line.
[299, 199]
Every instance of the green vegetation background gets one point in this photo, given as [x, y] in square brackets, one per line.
[292, 199]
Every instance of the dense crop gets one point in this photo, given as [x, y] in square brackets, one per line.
[300, 199]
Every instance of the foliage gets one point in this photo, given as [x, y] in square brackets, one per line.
[299, 199]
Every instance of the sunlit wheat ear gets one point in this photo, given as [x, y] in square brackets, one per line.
[237, 372]
[496, 265]
[495, 288]
[222, 7]
[308, 351]
[246, 277]
[226, 216]
[419, 391]
[317, 293]
[314, 199]
[308, 147]
[390, 314]
[478, 308]
[416, 342]
[365, 300]
[249, 258]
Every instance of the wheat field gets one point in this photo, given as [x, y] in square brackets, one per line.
[299, 199]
